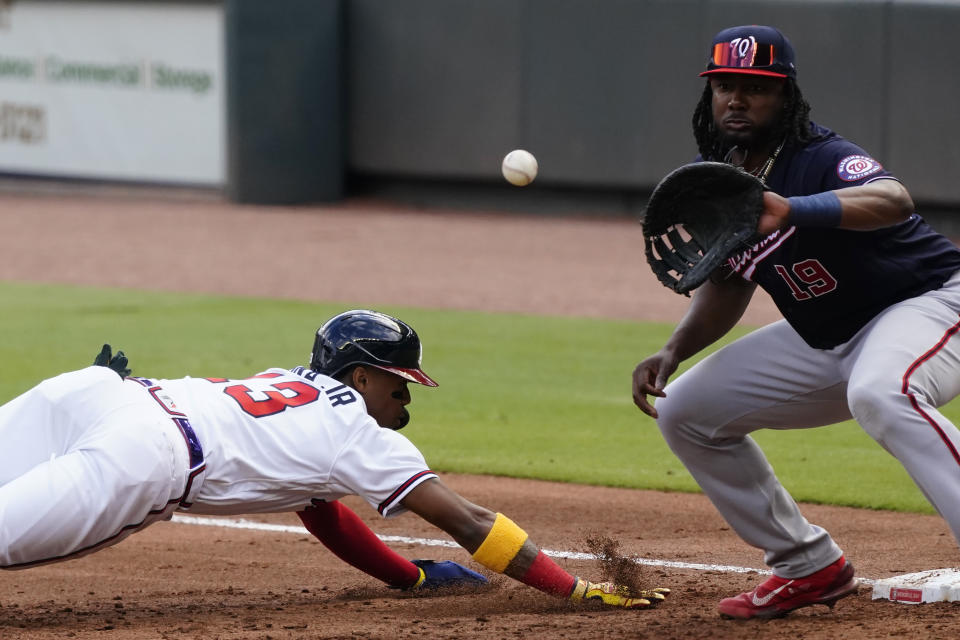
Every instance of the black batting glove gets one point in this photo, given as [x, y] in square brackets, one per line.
[117, 363]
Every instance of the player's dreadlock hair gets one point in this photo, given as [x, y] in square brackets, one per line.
[795, 124]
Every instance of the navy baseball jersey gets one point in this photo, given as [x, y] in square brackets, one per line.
[828, 283]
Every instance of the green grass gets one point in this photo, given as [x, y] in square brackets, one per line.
[520, 395]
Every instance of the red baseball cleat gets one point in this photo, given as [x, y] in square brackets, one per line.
[777, 597]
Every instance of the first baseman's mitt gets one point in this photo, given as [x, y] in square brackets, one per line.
[697, 217]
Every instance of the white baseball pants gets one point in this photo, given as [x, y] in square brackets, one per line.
[86, 460]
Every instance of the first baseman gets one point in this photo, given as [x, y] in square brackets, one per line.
[870, 296]
[90, 457]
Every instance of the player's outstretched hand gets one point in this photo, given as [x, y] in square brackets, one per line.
[612, 595]
[436, 575]
[116, 362]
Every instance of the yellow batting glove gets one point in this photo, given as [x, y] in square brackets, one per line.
[659, 594]
[613, 595]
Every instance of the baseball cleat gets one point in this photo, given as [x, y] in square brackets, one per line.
[777, 596]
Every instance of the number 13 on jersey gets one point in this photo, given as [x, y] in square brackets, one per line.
[260, 397]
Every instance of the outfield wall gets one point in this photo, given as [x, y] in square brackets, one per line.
[300, 100]
[602, 91]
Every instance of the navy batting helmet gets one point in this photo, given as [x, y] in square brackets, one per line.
[372, 338]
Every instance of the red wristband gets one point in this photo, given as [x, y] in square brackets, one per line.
[547, 576]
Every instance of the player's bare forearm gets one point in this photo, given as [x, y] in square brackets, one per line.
[469, 524]
[466, 522]
[716, 308]
[875, 205]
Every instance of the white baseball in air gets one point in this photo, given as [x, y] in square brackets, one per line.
[519, 167]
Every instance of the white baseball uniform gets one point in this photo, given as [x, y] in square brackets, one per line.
[88, 458]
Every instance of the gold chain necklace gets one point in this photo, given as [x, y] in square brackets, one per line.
[768, 165]
[764, 170]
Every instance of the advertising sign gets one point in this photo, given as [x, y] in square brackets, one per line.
[111, 90]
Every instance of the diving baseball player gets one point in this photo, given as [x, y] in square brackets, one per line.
[89, 457]
[870, 296]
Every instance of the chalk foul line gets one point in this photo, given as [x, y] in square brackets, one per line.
[433, 542]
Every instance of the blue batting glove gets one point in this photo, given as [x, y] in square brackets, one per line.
[437, 575]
